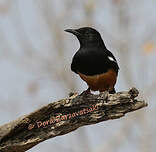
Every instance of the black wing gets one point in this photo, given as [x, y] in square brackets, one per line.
[92, 62]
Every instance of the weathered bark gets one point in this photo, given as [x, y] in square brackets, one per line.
[61, 117]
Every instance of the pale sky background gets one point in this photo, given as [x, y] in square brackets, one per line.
[22, 26]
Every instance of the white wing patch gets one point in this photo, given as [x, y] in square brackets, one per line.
[111, 59]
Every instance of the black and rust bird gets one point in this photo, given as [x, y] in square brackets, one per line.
[93, 62]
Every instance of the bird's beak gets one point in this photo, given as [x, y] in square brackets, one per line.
[73, 31]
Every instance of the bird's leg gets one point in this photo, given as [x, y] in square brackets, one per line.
[86, 92]
[112, 91]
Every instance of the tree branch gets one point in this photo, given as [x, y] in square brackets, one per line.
[61, 117]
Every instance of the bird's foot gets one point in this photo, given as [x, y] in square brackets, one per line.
[112, 91]
[86, 92]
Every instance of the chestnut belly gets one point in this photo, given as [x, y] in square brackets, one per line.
[101, 82]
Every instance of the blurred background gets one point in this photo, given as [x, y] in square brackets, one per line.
[35, 58]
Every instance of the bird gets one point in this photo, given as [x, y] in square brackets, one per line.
[93, 62]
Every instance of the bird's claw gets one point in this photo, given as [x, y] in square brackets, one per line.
[86, 92]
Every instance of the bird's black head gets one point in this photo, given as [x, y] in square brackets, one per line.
[87, 36]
